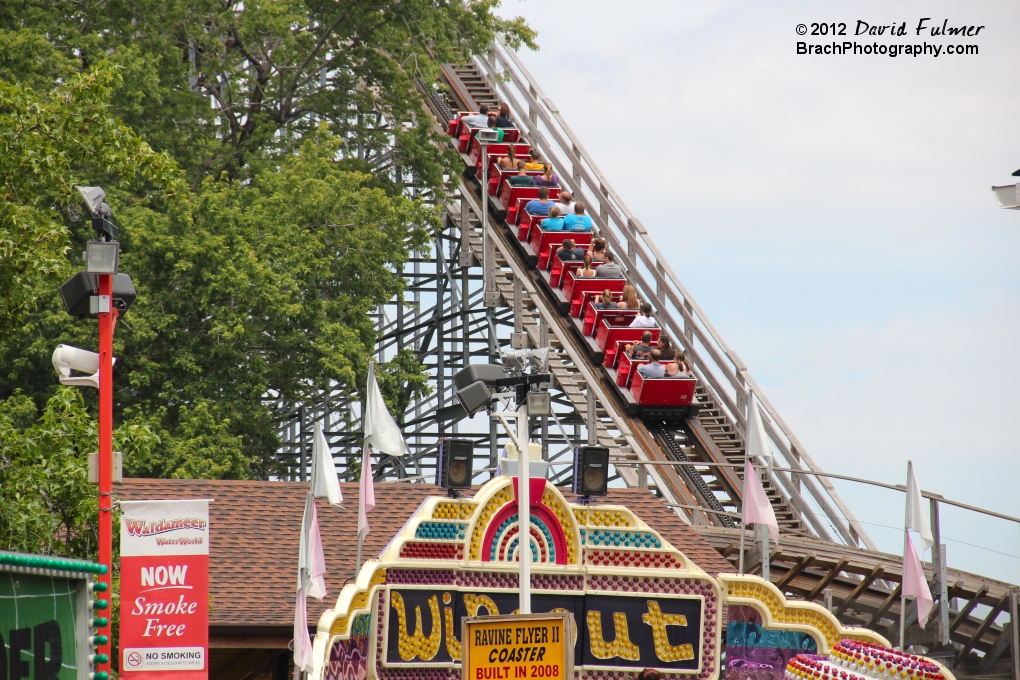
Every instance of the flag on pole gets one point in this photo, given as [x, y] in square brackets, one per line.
[381, 431]
[914, 583]
[757, 509]
[302, 641]
[325, 482]
[311, 559]
[366, 491]
[917, 518]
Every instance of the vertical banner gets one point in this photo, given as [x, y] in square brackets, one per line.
[164, 589]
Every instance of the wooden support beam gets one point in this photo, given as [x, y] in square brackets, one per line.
[866, 582]
[962, 615]
[877, 616]
[799, 566]
[983, 628]
[827, 579]
[998, 649]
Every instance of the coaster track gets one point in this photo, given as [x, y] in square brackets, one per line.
[825, 553]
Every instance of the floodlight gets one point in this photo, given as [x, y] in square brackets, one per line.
[489, 136]
[539, 404]
[1008, 196]
[515, 360]
[102, 257]
[95, 201]
[539, 360]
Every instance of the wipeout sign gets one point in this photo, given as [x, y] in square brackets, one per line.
[164, 585]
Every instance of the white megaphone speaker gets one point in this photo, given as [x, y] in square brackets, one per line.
[67, 359]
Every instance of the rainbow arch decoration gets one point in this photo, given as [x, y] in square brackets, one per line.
[637, 601]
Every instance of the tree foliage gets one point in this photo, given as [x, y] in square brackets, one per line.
[257, 156]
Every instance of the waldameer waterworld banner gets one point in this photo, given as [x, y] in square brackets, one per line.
[44, 617]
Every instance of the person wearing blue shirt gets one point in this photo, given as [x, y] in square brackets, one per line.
[578, 221]
[542, 205]
[554, 222]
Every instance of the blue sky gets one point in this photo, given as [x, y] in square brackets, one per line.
[832, 215]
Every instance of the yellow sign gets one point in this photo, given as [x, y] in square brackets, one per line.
[518, 647]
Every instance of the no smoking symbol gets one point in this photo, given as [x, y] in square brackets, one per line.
[134, 659]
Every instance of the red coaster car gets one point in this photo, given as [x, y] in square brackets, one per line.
[611, 338]
[494, 152]
[663, 392]
[542, 242]
[574, 289]
[617, 317]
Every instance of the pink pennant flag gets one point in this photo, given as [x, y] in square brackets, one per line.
[366, 496]
[914, 583]
[757, 509]
[317, 559]
[302, 641]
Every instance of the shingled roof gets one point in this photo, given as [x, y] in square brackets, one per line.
[254, 539]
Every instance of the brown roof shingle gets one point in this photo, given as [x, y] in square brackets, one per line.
[254, 529]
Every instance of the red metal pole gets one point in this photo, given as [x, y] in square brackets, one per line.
[107, 320]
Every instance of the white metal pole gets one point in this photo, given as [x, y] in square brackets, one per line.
[903, 596]
[766, 550]
[743, 514]
[524, 507]
[487, 263]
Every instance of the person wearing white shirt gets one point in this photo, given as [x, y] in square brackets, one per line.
[480, 119]
[565, 203]
[645, 320]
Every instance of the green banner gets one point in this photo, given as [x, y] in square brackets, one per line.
[39, 626]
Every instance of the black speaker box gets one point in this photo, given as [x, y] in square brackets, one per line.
[453, 469]
[591, 471]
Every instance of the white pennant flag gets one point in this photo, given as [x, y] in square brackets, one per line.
[311, 559]
[325, 482]
[916, 517]
[381, 430]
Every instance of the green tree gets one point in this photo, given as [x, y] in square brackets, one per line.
[46, 502]
[257, 155]
[50, 141]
